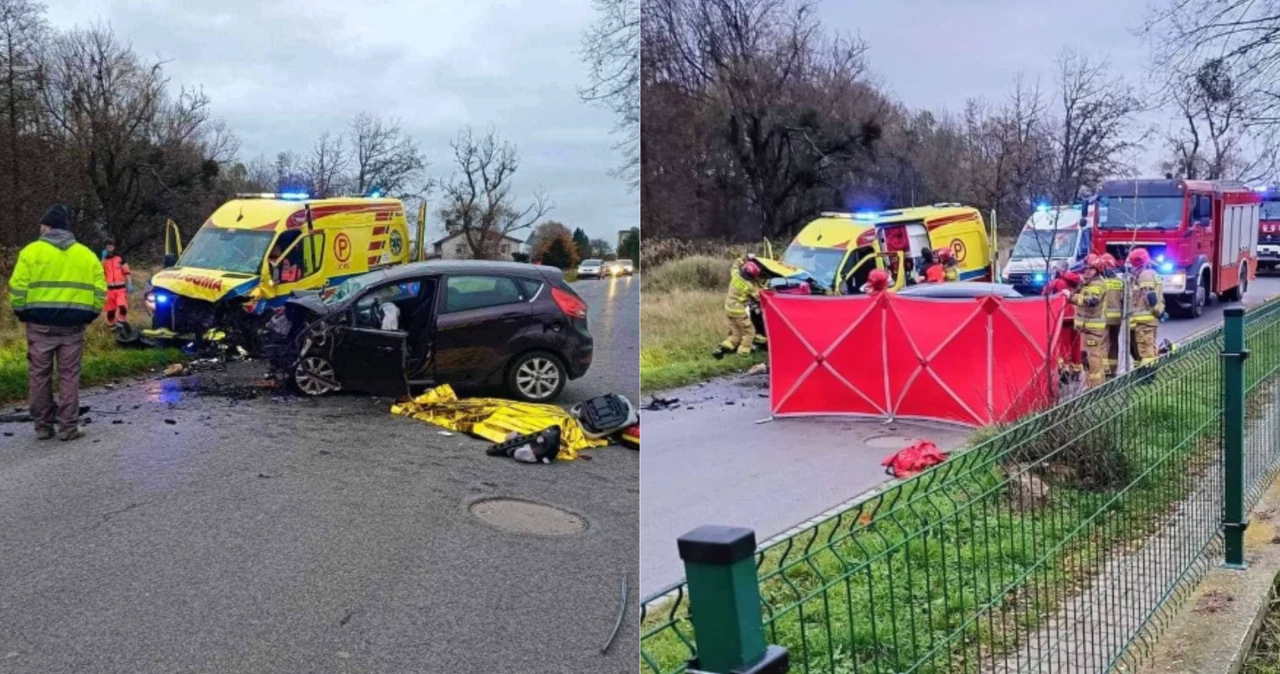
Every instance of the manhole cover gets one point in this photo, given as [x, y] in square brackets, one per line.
[890, 441]
[526, 517]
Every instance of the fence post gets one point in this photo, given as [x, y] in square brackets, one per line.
[1233, 355]
[724, 603]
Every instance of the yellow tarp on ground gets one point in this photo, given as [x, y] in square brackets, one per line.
[495, 418]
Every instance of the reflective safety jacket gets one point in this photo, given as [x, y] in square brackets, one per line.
[116, 270]
[740, 291]
[1091, 305]
[1115, 299]
[57, 281]
[951, 275]
[1141, 310]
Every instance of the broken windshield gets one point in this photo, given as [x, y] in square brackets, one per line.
[349, 288]
[1126, 212]
[821, 263]
[235, 250]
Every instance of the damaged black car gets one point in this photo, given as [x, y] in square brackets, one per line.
[464, 323]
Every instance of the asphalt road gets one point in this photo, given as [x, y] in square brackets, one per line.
[710, 463]
[196, 529]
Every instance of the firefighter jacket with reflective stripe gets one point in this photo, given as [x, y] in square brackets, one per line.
[951, 274]
[740, 291]
[57, 281]
[1115, 299]
[1140, 308]
[115, 269]
[1091, 305]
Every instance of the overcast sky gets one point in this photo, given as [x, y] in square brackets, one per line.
[282, 71]
[938, 53]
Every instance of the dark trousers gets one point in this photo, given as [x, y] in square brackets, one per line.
[50, 347]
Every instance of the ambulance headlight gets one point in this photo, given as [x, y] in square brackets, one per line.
[151, 301]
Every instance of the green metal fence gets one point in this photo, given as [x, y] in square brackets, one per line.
[1059, 544]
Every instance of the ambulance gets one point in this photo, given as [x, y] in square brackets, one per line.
[1052, 236]
[258, 249]
[837, 251]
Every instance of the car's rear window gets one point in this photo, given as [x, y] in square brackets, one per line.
[476, 292]
[529, 287]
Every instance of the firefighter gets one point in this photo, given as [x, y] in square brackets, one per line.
[1146, 305]
[1069, 360]
[945, 269]
[1091, 321]
[926, 263]
[744, 287]
[877, 281]
[119, 284]
[1114, 279]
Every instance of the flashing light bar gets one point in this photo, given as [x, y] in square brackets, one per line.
[1042, 208]
[1166, 267]
[292, 196]
[865, 215]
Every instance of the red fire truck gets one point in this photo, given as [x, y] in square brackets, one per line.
[1202, 235]
[1269, 230]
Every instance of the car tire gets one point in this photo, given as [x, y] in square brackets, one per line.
[536, 377]
[308, 374]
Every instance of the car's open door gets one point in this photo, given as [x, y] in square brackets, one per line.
[372, 361]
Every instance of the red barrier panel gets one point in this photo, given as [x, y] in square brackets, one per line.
[974, 362]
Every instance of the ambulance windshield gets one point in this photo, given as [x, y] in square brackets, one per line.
[821, 263]
[1042, 243]
[235, 250]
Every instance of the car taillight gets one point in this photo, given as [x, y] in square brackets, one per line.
[569, 303]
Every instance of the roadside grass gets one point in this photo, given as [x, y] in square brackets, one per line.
[104, 361]
[1264, 656]
[678, 331]
[852, 593]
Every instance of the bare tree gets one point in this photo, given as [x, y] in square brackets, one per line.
[385, 157]
[1094, 131]
[290, 174]
[790, 108]
[1209, 141]
[23, 32]
[601, 248]
[327, 166]
[611, 49]
[138, 148]
[478, 201]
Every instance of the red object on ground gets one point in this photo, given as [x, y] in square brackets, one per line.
[913, 459]
[974, 362]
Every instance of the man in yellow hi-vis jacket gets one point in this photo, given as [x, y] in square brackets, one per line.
[1091, 321]
[1112, 275]
[744, 287]
[1146, 302]
[57, 288]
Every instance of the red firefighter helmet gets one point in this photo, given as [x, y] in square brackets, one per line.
[1139, 257]
[1109, 261]
[942, 254]
[878, 279]
[751, 270]
[1095, 262]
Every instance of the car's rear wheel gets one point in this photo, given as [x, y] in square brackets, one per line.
[536, 377]
[314, 376]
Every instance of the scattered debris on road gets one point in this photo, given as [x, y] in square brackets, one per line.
[174, 370]
[495, 419]
[540, 447]
[604, 415]
[659, 404]
[622, 611]
[21, 415]
[758, 368]
[913, 459]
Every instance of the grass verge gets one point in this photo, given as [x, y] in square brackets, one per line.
[1264, 656]
[678, 331]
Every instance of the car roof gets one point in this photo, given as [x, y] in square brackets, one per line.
[960, 290]
[430, 267]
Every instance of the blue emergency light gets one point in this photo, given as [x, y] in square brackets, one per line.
[293, 196]
[865, 215]
[1042, 208]
[161, 299]
[1039, 278]
[1166, 267]
[375, 194]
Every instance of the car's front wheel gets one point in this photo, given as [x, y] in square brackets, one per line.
[536, 377]
[314, 376]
